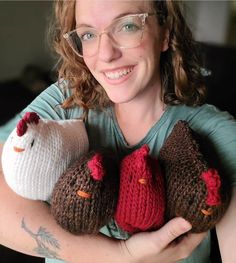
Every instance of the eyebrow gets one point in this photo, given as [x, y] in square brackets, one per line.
[116, 17]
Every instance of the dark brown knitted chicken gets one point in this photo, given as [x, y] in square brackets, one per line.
[85, 196]
[195, 191]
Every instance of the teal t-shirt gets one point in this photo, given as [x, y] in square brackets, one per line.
[103, 131]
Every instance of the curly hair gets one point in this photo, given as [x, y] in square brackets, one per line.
[181, 71]
[180, 65]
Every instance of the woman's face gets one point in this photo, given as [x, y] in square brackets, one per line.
[125, 73]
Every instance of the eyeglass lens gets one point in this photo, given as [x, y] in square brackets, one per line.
[125, 32]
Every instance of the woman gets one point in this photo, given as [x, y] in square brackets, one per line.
[133, 73]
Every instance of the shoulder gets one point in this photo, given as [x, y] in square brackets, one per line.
[209, 120]
[210, 112]
[204, 119]
[57, 91]
[218, 130]
[49, 103]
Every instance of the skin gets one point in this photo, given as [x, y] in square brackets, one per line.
[141, 88]
[143, 60]
[135, 97]
[226, 232]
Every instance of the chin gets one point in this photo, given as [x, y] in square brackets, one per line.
[119, 97]
[118, 100]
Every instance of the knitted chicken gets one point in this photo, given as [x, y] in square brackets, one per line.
[195, 190]
[141, 202]
[38, 152]
[85, 196]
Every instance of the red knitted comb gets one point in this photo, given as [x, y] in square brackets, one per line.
[29, 117]
[213, 184]
[96, 167]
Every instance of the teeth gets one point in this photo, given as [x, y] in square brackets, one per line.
[118, 74]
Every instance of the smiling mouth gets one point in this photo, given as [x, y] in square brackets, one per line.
[118, 74]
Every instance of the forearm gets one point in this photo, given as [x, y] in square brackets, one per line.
[27, 226]
[18, 223]
[226, 232]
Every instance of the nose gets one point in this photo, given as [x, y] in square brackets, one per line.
[107, 51]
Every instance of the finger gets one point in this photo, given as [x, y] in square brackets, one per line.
[170, 231]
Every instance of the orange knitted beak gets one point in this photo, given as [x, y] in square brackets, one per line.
[83, 194]
[142, 181]
[207, 212]
[18, 150]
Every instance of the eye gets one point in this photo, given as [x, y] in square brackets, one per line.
[131, 27]
[87, 36]
[32, 143]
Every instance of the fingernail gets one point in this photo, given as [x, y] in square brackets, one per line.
[186, 225]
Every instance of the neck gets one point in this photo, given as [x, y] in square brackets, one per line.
[147, 107]
[136, 117]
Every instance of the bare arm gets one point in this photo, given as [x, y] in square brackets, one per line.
[226, 232]
[27, 226]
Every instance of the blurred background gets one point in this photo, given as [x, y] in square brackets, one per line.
[26, 61]
[214, 26]
[27, 64]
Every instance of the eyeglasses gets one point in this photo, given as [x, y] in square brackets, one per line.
[124, 32]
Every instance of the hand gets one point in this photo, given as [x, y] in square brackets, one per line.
[162, 245]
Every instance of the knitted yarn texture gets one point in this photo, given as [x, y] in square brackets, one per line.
[141, 202]
[195, 191]
[38, 151]
[85, 196]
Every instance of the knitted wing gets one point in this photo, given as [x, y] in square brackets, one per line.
[141, 200]
[195, 191]
[85, 196]
[38, 151]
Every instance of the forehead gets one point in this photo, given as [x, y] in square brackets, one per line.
[99, 13]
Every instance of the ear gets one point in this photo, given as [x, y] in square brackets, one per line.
[165, 39]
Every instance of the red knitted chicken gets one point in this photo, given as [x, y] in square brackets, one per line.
[141, 201]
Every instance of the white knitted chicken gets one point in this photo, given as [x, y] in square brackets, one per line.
[38, 152]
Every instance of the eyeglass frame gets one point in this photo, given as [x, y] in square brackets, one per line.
[143, 16]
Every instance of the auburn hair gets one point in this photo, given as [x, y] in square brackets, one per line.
[180, 65]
